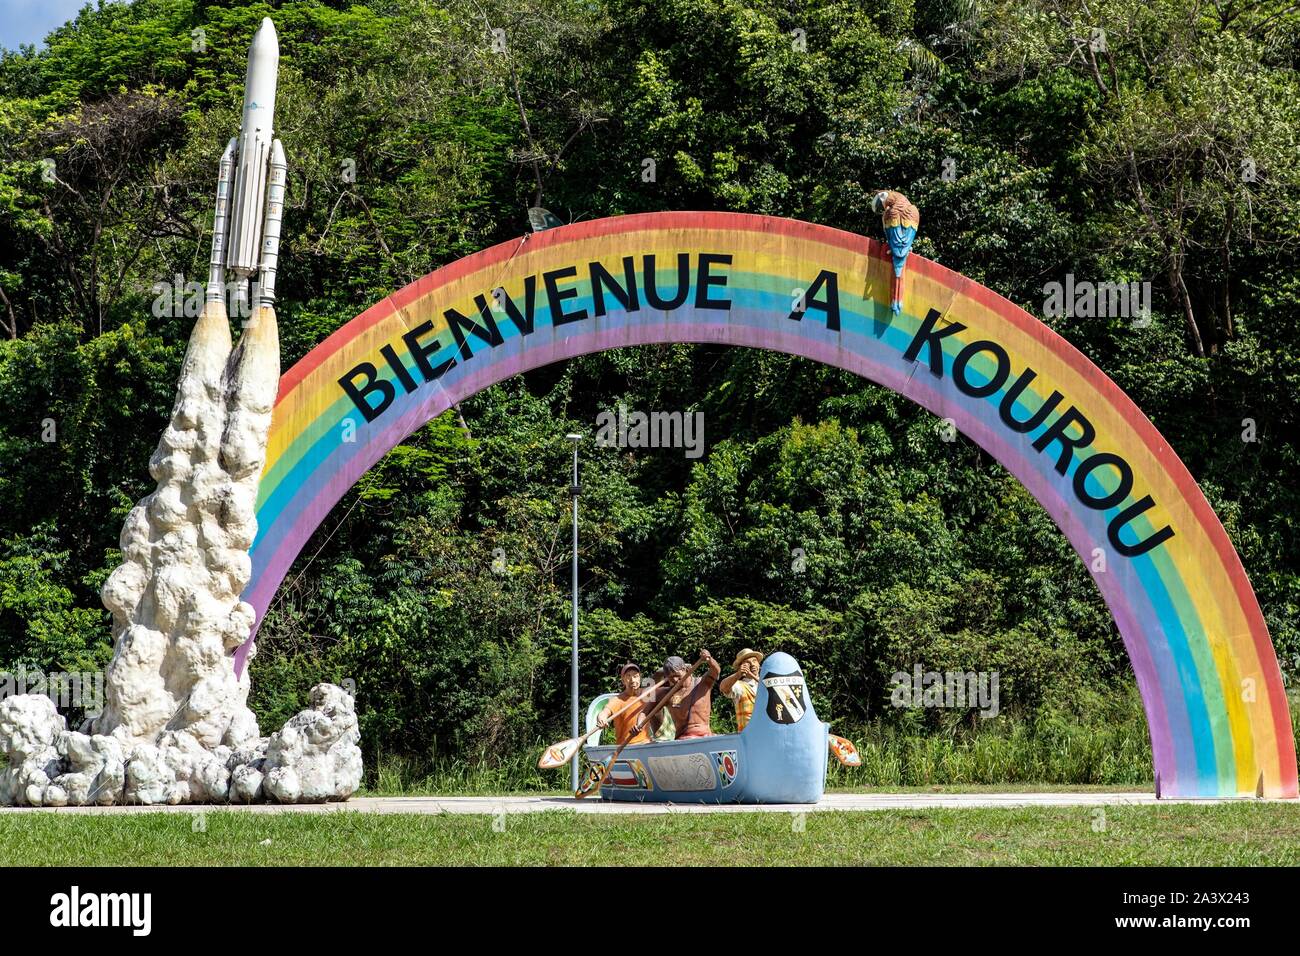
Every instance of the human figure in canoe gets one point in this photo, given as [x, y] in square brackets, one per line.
[628, 709]
[742, 686]
[690, 698]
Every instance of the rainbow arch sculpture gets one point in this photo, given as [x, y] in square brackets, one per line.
[1205, 665]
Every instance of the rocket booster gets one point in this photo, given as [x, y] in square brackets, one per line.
[251, 185]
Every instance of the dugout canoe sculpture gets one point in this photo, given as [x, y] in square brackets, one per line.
[780, 756]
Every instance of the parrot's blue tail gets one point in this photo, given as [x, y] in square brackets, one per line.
[900, 239]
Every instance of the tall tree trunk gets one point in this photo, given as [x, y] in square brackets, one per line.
[1174, 252]
[1179, 289]
[1226, 259]
[13, 316]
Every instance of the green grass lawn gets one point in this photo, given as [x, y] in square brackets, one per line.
[381, 791]
[1237, 834]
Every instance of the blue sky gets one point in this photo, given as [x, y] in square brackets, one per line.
[28, 21]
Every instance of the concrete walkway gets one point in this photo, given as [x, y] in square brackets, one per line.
[833, 801]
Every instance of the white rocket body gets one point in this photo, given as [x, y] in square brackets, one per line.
[250, 189]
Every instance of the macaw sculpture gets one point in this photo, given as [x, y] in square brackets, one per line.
[901, 220]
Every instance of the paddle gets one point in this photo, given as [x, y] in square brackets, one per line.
[561, 754]
[596, 779]
[844, 750]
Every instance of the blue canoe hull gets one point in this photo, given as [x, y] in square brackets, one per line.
[780, 757]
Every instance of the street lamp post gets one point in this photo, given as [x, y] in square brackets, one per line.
[575, 489]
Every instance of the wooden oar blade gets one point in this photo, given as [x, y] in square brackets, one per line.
[559, 755]
[844, 751]
[591, 783]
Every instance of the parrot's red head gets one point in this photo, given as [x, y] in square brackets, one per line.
[878, 201]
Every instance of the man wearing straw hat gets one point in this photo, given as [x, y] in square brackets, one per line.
[742, 686]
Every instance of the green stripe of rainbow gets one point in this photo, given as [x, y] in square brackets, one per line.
[1191, 624]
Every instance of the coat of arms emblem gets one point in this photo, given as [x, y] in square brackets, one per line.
[785, 700]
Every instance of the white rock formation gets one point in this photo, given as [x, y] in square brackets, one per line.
[177, 770]
[177, 615]
[29, 727]
[247, 766]
[176, 727]
[315, 756]
[93, 770]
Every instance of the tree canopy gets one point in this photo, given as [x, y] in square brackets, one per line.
[1113, 141]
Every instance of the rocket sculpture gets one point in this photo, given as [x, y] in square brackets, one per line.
[250, 188]
[180, 625]
[901, 220]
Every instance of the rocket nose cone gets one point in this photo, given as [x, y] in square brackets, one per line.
[266, 34]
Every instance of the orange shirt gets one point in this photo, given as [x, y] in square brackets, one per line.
[625, 719]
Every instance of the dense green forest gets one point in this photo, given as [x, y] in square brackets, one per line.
[1117, 140]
